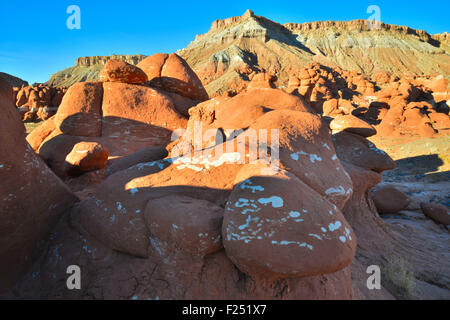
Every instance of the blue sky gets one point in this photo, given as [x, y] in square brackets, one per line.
[35, 41]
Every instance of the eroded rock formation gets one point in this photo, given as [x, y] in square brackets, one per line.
[27, 217]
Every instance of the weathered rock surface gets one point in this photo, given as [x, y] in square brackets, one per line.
[390, 200]
[85, 157]
[352, 124]
[172, 73]
[411, 253]
[186, 224]
[436, 212]
[163, 219]
[274, 228]
[13, 81]
[80, 111]
[141, 156]
[120, 71]
[27, 216]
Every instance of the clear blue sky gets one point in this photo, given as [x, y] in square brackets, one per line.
[35, 42]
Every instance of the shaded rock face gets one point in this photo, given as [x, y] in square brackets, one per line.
[12, 80]
[437, 212]
[218, 219]
[27, 217]
[195, 224]
[390, 200]
[359, 151]
[143, 155]
[276, 240]
[389, 245]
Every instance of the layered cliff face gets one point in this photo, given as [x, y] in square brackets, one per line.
[237, 46]
[395, 49]
[88, 69]
[101, 60]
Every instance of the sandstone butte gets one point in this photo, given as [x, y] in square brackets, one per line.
[279, 198]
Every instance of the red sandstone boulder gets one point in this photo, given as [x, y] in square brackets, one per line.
[439, 85]
[37, 102]
[208, 174]
[178, 77]
[346, 106]
[38, 135]
[228, 116]
[153, 65]
[144, 105]
[147, 121]
[165, 275]
[359, 151]
[136, 239]
[141, 156]
[306, 148]
[80, 111]
[437, 212]
[294, 82]
[86, 156]
[21, 98]
[390, 200]
[182, 104]
[173, 74]
[440, 121]
[278, 227]
[352, 124]
[186, 224]
[330, 108]
[120, 71]
[412, 119]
